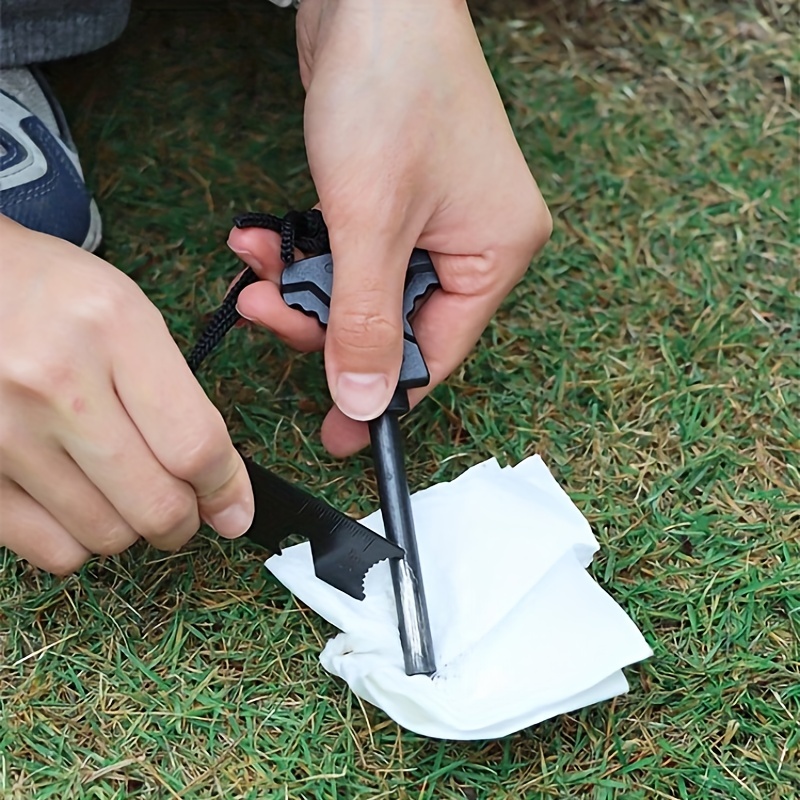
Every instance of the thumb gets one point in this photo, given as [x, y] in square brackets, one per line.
[364, 341]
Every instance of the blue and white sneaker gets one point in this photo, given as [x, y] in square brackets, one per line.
[41, 181]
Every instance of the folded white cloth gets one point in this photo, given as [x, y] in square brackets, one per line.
[520, 629]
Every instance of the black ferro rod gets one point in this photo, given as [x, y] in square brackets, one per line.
[398, 521]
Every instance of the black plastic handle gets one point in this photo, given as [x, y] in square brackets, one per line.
[307, 285]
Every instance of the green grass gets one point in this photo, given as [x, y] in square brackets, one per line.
[651, 355]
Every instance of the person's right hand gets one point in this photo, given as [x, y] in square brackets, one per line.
[105, 435]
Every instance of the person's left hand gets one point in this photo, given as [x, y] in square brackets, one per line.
[409, 145]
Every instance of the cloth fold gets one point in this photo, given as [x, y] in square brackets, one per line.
[521, 630]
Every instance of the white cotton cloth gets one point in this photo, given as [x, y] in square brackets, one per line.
[520, 630]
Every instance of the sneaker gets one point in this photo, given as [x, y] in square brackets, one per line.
[41, 180]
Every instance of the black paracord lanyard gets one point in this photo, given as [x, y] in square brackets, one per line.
[302, 230]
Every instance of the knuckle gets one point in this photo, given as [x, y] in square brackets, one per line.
[202, 453]
[41, 379]
[477, 275]
[46, 371]
[103, 308]
[63, 561]
[362, 330]
[113, 540]
[484, 274]
[172, 512]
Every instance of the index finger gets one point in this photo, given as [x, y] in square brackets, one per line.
[181, 426]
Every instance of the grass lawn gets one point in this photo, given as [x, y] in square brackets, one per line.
[651, 355]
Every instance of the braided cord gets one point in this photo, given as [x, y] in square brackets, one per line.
[303, 230]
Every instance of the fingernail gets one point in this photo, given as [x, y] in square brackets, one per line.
[231, 521]
[362, 395]
[246, 256]
[244, 316]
